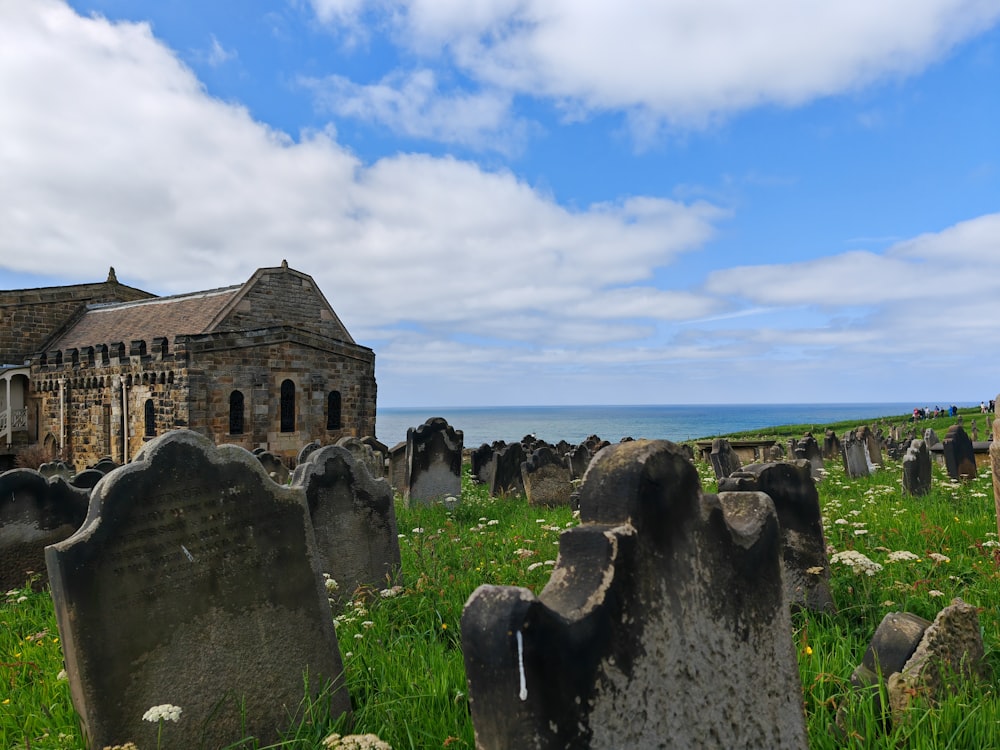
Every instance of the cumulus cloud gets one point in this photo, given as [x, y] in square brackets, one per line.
[113, 154]
[682, 63]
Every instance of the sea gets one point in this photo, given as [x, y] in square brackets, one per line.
[485, 424]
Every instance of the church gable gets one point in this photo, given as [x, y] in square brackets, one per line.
[285, 295]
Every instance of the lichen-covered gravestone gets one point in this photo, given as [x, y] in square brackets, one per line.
[194, 581]
[917, 469]
[433, 462]
[664, 623]
[959, 454]
[34, 513]
[724, 459]
[506, 475]
[353, 517]
[546, 478]
[796, 501]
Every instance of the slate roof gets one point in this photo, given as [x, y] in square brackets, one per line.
[182, 314]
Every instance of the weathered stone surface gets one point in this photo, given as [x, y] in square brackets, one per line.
[856, 460]
[55, 468]
[831, 445]
[959, 454]
[86, 479]
[917, 469]
[951, 648]
[807, 448]
[354, 520]
[506, 479]
[578, 459]
[274, 466]
[894, 642]
[796, 501]
[373, 460]
[481, 463]
[931, 438]
[195, 581]
[433, 462]
[724, 459]
[546, 478]
[105, 465]
[306, 450]
[664, 622]
[34, 512]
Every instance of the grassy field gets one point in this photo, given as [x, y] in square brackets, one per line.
[402, 648]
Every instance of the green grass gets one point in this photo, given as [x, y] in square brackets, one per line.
[402, 653]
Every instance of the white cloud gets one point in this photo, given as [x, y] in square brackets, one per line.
[219, 55]
[686, 62]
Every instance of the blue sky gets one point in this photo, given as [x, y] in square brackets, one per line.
[537, 201]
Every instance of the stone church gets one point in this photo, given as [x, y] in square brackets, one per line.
[94, 370]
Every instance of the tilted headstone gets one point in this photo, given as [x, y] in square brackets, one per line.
[433, 462]
[664, 622]
[856, 460]
[917, 469]
[546, 478]
[506, 479]
[959, 454]
[951, 648]
[274, 466]
[194, 581]
[481, 463]
[796, 501]
[579, 460]
[354, 520]
[34, 513]
[724, 459]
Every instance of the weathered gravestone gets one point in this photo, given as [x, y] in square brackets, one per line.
[831, 444]
[194, 581]
[578, 459]
[373, 460]
[917, 469]
[664, 622]
[808, 449]
[724, 459]
[481, 463]
[959, 454]
[397, 466]
[274, 466]
[34, 512]
[105, 465]
[354, 520]
[86, 479]
[546, 478]
[433, 462]
[506, 477]
[306, 450]
[856, 460]
[796, 501]
[56, 468]
[872, 443]
[931, 438]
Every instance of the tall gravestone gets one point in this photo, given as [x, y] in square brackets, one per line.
[724, 459]
[34, 513]
[856, 460]
[578, 459]
[194, 581]
[364, 453]
[808, 449]
[796, 501]
[433, 462]
[506, 475]
[959, 454]
[353, 517]
[831, 445]
[546, 478]
[664, 622]
[917, 469]
[481, 463]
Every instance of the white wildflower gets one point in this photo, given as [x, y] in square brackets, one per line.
[418, 530]
[841, 522]
[938, 557]
[163, 712]
[901, 555]
[355, 742]
[857, 561]
[860, 532]
[534, 566]
[935, 593]
[367, 624]
[391, 592]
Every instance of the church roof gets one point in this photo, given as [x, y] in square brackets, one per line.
[182, 314]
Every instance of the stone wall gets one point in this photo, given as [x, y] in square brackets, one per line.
[28, 317]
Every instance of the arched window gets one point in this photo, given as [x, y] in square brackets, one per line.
[287, 406]
[236, 413]
[150, 418]
[333, 410]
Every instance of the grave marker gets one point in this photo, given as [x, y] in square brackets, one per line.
[433, 462]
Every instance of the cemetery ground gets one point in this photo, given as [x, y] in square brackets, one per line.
[402, 651]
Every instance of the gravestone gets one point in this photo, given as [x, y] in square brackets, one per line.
[481, 463]
[995, 464]
[664, 622]
[353, 518]
[807, 448]
[724, 459]
[433, 462]
[364, 453]
[579, 460]
[792, 489]
[274, 466]
[86, 479]
[193, 581]
[959, 454]
[34, 513]
[931, 438]
[397, 466]
[831, 445]
[873, 445]
[56, 468]
[506, 479]
[105, 465]
[917, 469]
[856, 460]
[546, 478]
[306, 450]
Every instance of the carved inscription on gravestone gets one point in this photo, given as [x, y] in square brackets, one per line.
[193, 581]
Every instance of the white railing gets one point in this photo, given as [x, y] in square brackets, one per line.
[18, 419]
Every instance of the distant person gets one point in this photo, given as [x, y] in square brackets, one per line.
[982, 407]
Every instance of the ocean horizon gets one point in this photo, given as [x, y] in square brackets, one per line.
[485, 424]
